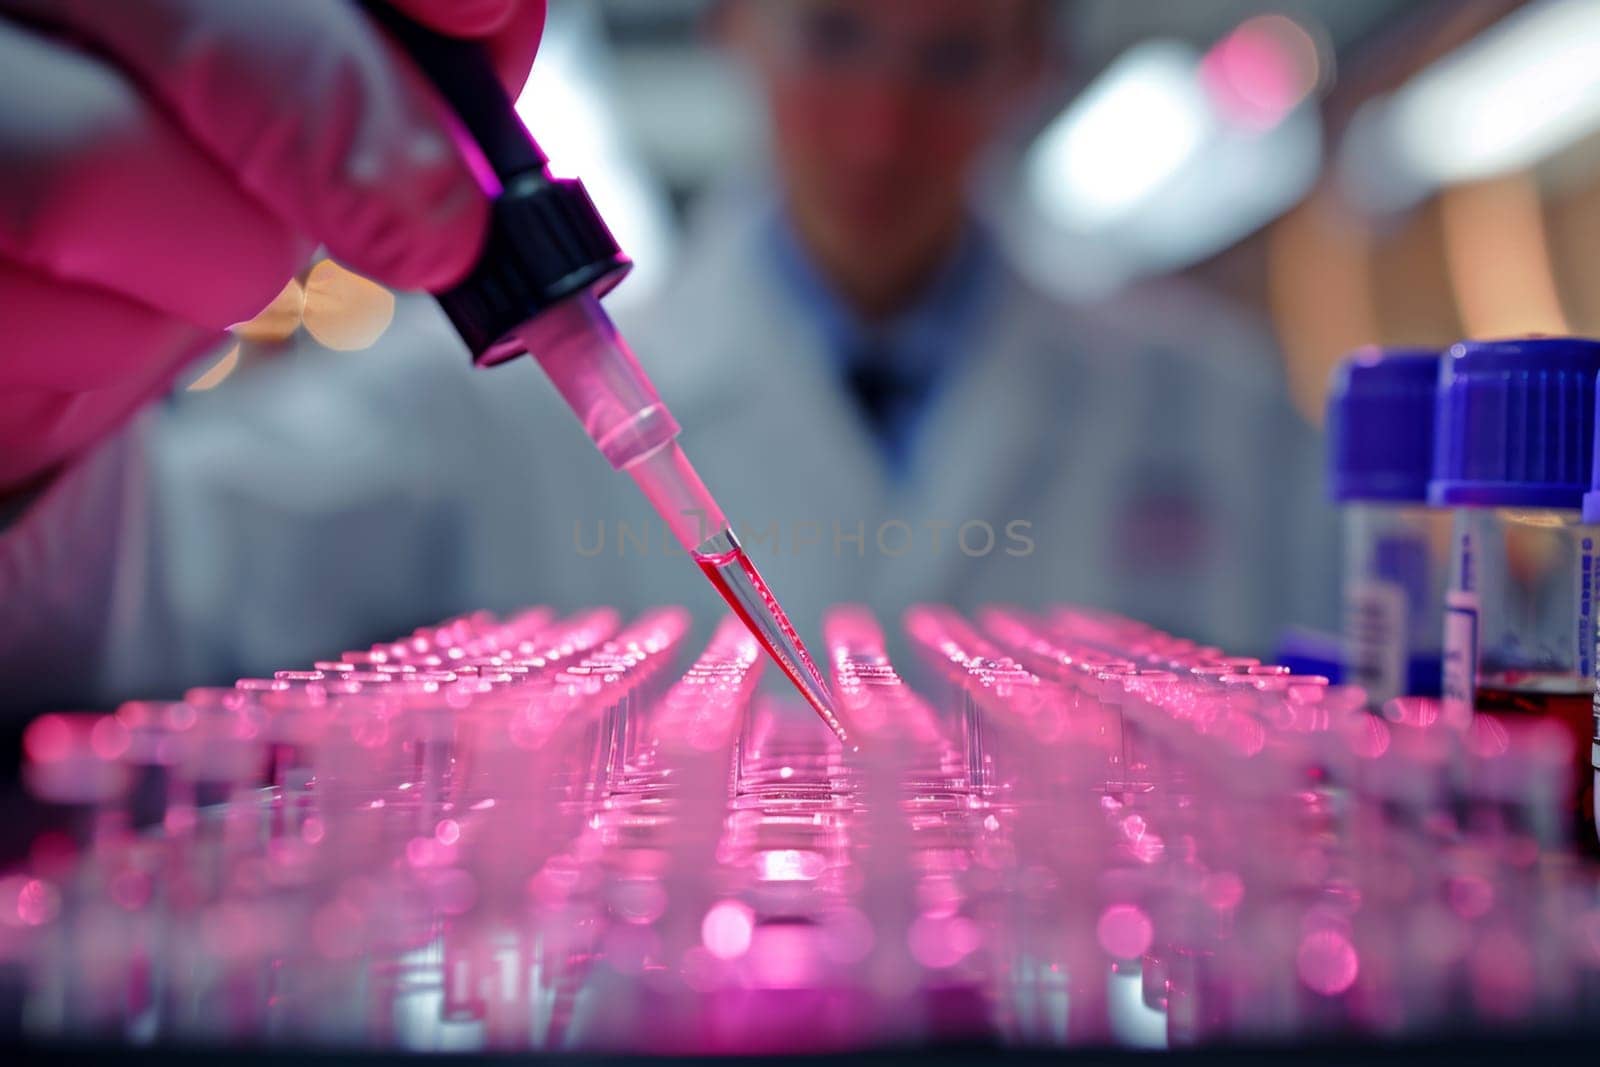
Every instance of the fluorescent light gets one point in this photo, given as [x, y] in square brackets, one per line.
[1153, 167]
[1520, 92]
[1136, 126]
[1240, 182]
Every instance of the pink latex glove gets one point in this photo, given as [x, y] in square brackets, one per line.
[167, 165]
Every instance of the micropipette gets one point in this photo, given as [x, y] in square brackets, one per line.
[536, 288]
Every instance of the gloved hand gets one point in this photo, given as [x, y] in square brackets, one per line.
[167, 165]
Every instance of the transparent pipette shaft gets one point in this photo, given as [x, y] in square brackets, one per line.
[723, 561]
[601, 380]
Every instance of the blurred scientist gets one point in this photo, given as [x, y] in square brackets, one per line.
[887, 410]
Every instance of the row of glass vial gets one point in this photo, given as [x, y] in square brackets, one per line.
[1472, 513]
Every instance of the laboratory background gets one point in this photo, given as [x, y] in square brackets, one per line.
[1078, 535]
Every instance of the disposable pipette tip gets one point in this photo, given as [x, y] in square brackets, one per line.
[725, 564]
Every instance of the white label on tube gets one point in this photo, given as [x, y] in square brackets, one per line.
[1375, 629]
[1588, 637]
[1594, 745]
[1460, 675]
[1585, 615]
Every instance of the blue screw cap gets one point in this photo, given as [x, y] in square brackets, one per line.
[1515, 423]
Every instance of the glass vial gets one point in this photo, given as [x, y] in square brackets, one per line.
[1513, 456]
[1380, 428]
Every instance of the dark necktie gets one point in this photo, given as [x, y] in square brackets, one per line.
[888, 397]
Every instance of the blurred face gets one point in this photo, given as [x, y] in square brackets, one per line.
[880, 109]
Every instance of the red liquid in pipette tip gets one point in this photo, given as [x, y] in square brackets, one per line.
[732, 569]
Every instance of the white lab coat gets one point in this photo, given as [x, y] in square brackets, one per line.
[1140, 456]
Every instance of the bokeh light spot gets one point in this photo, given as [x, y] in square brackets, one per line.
[1124, 931]
[218, 372]
[278, 321]
[727, 928]
[1327, 962]
[939, 941]
[343, 310]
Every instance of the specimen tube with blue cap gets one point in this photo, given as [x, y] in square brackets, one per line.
[1380, 446]
[1513, 457]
